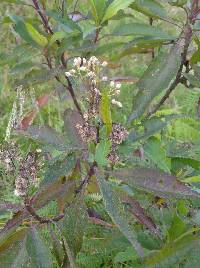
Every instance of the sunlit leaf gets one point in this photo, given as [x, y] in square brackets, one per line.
[114, 7]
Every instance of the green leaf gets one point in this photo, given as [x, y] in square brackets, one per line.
[116, 212]
[75, 223]
[177, 227]
[36, 36]
[37, 250]
[114, 7]
[12, 250]
[193, 179]
[102, 151]
[71, 119]
[158, 183]
[156, 78]
[173, 253]
[60, 167]
[57, 36]
[140, 29]
[150, 8]
[105, 112]
[44, 134]
[98, 8]
[153, 149]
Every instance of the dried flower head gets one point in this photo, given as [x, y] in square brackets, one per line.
[87, 132]
[27, 174]
[118, 134]
[113, 156]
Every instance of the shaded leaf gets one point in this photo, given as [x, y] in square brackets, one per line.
[38, 252]
[13, 253]
[153, 149]
[115, 210]
[43, 134]
[60, 167]
[155, 182]
[156, 78]
[141, 215]
[74, 224]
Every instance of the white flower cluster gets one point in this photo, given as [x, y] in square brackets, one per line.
[90, 70]
[115, 90]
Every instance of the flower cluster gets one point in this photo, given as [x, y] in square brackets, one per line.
[16, 113]
[86, 131]
[117, 136]
[8, 156]
[27, 174]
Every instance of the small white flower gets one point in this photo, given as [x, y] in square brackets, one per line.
[68, 74]
[77, 62]
[117, 91]
[72, 71]
[118, 86]
[104, 63]
[16, 192]
[38, 150]
[117, 103]
[94, 82]
[84, 61]
[91, 74]
[112, 84]
[104, 78]
[83, 68]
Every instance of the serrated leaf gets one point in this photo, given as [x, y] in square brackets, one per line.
[153, 149]
[115, 210]
[102, 151]
[156, 78]
[105, 112]
[153, 181]
[172, 253]
[114, 7]
[13, 253]
[61, 167]
[74, 224]
[38, 252]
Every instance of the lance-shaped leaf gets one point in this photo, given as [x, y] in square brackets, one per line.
[114, 7]
[13, 252]
[38, 252]
[141, 215]
[150, 8]
[156, 78]
[71, 119]
[105, 111]
[156, 182]
[74, 224]
[44, 134]
[101, 153]
[140, 29]
[98, 8]
[115, 210]
[173, 253]
[62, 167]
